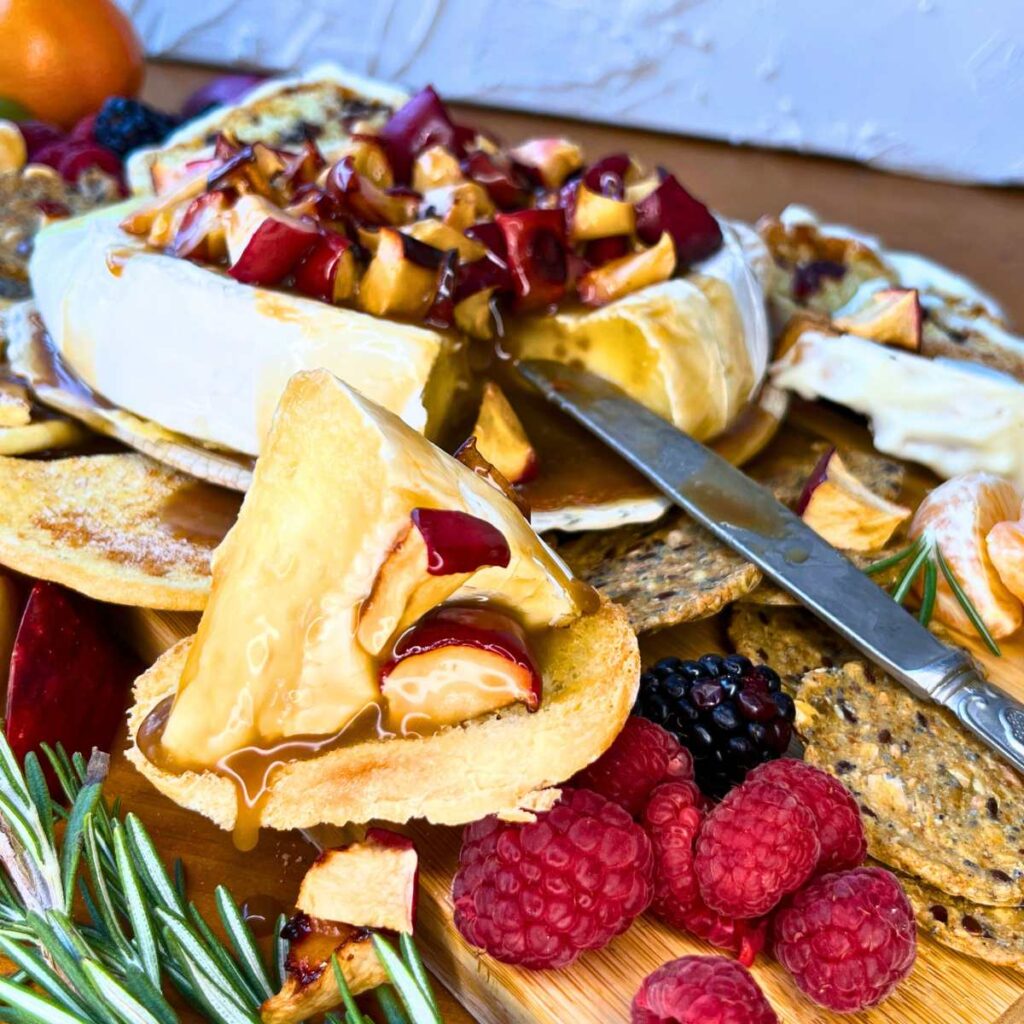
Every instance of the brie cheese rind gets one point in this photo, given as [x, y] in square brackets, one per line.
[954, 417]
[693, 349]
[278, 112]
[199, 353]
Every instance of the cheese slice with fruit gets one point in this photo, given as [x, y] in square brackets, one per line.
[954, 417]
[386, 637]
[200, 353]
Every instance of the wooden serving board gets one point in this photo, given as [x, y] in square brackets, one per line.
[945, 987]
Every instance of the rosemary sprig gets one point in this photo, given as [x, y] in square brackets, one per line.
[925, 556]
[139, 938]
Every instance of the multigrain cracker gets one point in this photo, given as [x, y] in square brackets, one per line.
[937, 803]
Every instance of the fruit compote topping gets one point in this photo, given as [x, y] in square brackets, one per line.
[432, 221]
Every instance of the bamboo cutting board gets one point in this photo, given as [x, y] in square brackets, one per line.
[945, 987]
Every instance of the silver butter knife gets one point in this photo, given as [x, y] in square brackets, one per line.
[747, 517]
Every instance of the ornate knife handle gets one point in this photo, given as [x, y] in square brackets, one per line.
[992, 715]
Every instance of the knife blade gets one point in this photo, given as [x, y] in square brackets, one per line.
[747, 517]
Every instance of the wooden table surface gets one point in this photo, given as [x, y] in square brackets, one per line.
[977, 231]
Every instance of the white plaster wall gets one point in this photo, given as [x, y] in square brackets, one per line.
[933, 87]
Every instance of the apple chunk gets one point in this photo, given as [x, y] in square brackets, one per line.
[456, 664]
[265, 244]
[437, 552]
[836, 505]
[310, 987]
[891, 317]
[629, 273]
[371, 884]
[69, 680]
[501, 439]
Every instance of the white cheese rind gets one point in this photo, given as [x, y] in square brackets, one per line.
[199, 353]
[953, 417]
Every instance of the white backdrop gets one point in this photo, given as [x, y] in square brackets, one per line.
[933, 87]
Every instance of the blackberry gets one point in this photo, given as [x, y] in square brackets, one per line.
[123, 125]
[730, 714]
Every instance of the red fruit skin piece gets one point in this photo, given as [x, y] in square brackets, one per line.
[83, 131]
[817, 476]
[603, 250]
[848, 938]
[316, 273]
[423, 122]
[759, 844]
[701, 990]
[69, 679]
[607, 176]
[458, 542]
[274, 250]
[505, 187]
[38, 135]
[673, 817]
[840, 826]
[642, 756]
[484, 628]
[78, 157]
[694, 229]
[537, 255]
[539, 894]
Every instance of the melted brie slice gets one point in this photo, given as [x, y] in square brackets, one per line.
[276, 654]
[197, 352]
[692, 349]
[953, 417]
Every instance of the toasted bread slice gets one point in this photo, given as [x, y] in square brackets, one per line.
[496, 764]
[119, 528]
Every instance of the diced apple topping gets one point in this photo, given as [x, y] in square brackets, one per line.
[202, 231]
[371, 884]
[329, 271]
[458, 205]
[420, 125]
[370, 161]
[628, 273]
[891, 316]
[441, 236]
[598, 216]
[395, 284]
[360, 197]
[470, 457]
[434, 168]
[609, 175]
[498, 176]
[265, 244]
[537, 255]
[473, 314]
[838, 507]
[457, 664]
[691, 224]
[501, 439]
[435, 555]
[552, 160]
[310, 987]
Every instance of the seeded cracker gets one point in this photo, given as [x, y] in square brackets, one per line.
[994, 934]
[937, 803]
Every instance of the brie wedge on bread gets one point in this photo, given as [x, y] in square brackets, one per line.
[386, 637]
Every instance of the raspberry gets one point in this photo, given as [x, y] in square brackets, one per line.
[642, 755]
[539, 894]
[756, 846]
[673, 817]
[840, 828]
[701, 990]
[848, 938]
[731, 715]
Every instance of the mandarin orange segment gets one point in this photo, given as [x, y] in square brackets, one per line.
[1005, 543]
[62, 58]
[957, 517]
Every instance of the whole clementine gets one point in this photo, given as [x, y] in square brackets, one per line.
[62, 58]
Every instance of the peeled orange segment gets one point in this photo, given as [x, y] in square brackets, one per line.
[957, 518]
[1005, 543]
